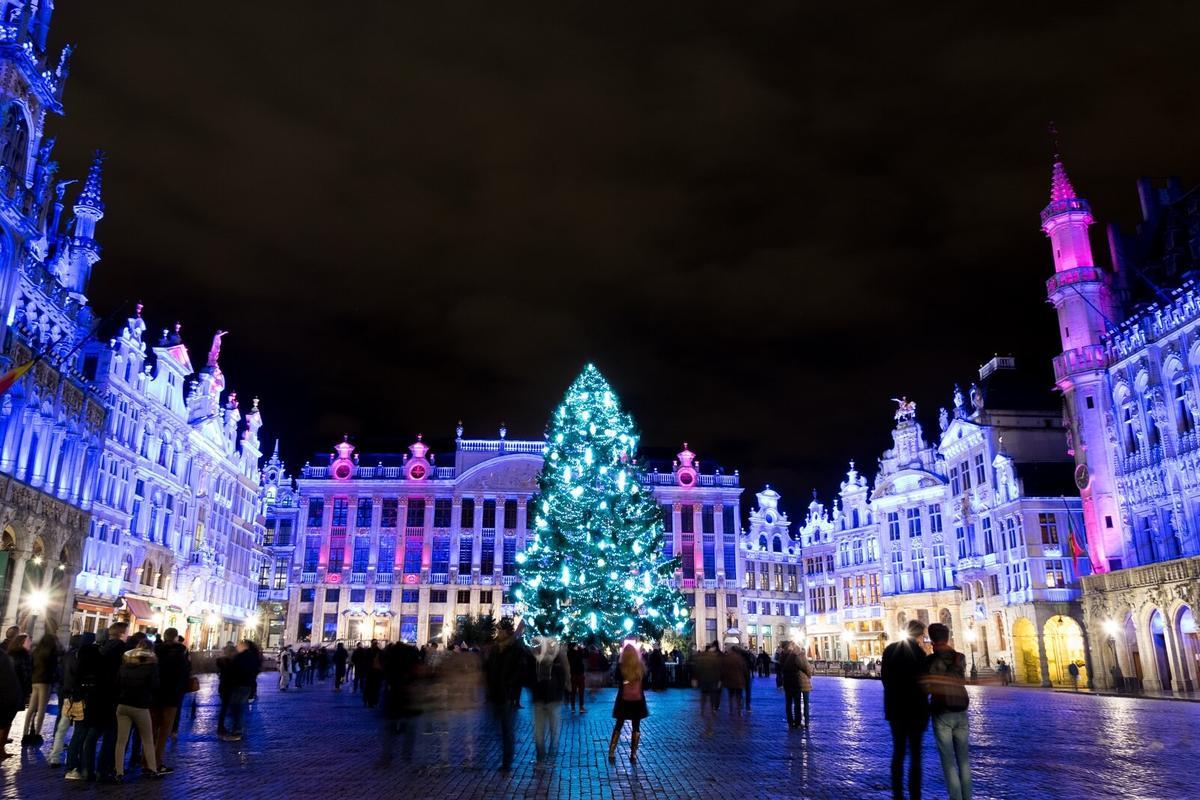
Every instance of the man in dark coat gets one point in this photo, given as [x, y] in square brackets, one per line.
[174, 674]
[101, 711]
[906, 707]
[401, 663]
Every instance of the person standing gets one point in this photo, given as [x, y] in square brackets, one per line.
[504, 670]
[796, 674]
[340, 656]
[137, 682]
[174, 675]
[945, 678]
[373, 677]
[733, 678]
[906, 707]
[243, 676]
[764, 663]
[358, 665]
[87, 671]
[706, 672]
[578, 675]
[553, 672]
[1072, 670]
[43, 673]
[630, 703]
[224, 685]
[70, 705]
[285, 668]
[100, 715]
[10, 699]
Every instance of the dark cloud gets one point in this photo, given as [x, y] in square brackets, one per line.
[760, 222]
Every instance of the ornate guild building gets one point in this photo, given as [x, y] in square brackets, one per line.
[51, 420]
[1128, 372]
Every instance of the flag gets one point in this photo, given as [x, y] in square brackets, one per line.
[13, 375]
[1076, 551]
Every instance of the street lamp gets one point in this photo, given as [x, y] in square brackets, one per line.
[971, 636]
[252, 622]
[847, 640]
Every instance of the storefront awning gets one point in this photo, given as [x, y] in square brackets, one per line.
[139, 608]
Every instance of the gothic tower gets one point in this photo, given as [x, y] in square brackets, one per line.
[1082, 295]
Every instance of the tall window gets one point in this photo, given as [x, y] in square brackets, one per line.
[312, 552]
[897, 569]
[416, 513]
[510, 515]
[793, 578]
[510, 555]
[1048, 525]
[918, 562]
[281, 574]
[935, 518]
[389, 513]
[893, 518]
[362, 514]
[687, 522]
[847, 592]
[965, 472]
[707, 524]
[442, 512]
[955, 484]
[989, 546]
[341, 512]
[489, 514]
[440, 554]
[730, 542]
[873, 585]
[466, 519]
[386, 560]
[464, 555]
[872, 550]
[960, 536]
[727, 520]
[668, 519]
[708, 545]
[1182, 414]
[362, 554]
[337, 552]
[412, 555]
[688, 552]
[1056, 574]
[857, 548]
[1129, 422]
[940, 574]
[980, 470]
[914, 521]
[487, 556]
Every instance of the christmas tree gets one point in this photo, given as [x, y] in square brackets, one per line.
[594, 568]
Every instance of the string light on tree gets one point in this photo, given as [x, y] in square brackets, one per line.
[594, 567]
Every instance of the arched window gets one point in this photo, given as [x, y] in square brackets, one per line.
[762, 542]
[777, 546]
[14, 140]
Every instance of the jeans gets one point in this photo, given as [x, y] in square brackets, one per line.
[106, 735]
[546, 719]
[795, 702]
[735, 700]
[405, 727]
[60, 734]
[35, 714]
[75, 749]
[577, 686]
[907, 735]
[127, 716]
[950, 732]
[238, 697]
[505, 715]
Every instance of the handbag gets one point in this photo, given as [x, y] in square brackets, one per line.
[631, 690]
[193, 684]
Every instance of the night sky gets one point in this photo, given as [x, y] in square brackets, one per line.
[761, 224]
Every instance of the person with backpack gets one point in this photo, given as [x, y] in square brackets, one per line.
[945, 677]
[548, 689]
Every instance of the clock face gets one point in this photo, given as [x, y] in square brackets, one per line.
[686, 479]
[1081, 476]
[341, 471]
[417, 472]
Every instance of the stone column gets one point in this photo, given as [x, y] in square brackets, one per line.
[427, 536]
[1043, 662]
[477, 534]
[21, 558]
[1088, 657]
[1180, 681]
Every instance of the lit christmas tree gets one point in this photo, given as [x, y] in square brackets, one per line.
[594, 567]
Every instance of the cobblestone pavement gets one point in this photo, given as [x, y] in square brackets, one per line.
[1026, 744]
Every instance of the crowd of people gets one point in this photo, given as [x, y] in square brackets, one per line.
[119, 697]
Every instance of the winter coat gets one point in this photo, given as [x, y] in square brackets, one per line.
[11, 697]
[243, 670]
[106, 669]
[575, 660]
[23, 664]
[45, 665]
[400, 664]
[733, 670]
[796, 672]
[905, 701]
[946, 671]
[137, 679]
[174, 670]
[706, 670]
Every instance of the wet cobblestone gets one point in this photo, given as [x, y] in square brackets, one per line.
[1026, 744]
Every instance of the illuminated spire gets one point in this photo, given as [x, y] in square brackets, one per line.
[89, 198]
[1060, 184]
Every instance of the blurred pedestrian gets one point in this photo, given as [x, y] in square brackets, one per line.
[553, 672]
[945, 679]
[906, 707]
[341, 656]
[630, 703]
[224, 685]
[505, 676]
[575, 660]
[706, 672]
[764, 663]
[69, 697]
[43, 674]
[734, 678]
[797, 684]
[11, 697]
[243, 676]
[400, 666]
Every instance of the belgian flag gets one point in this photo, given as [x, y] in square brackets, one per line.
[13, 375]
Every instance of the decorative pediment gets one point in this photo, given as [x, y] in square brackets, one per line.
[516, 472]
